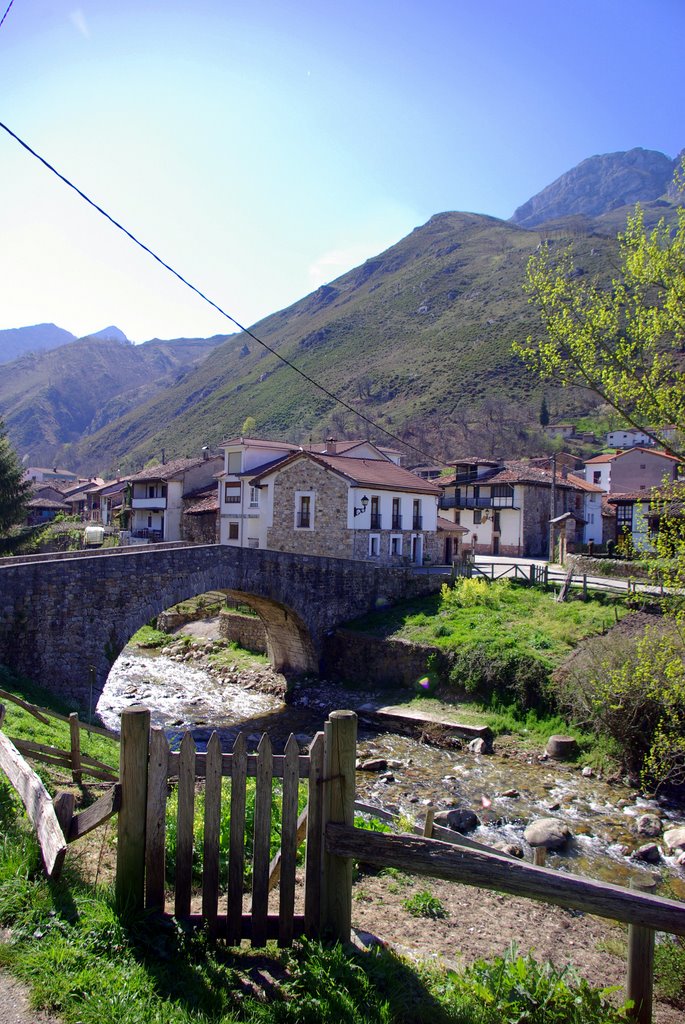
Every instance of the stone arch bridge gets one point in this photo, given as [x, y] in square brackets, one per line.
[62, 614]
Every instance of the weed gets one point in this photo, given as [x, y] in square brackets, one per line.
[424, 904]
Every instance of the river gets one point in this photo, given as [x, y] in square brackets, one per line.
[602, 816]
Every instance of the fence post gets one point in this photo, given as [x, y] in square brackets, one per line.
[640, 976]
[75, 737]
[546, 574]
[133, 764]
[428, 823]
[340, 752]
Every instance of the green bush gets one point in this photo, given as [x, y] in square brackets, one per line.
[495, 673]
[424, 904]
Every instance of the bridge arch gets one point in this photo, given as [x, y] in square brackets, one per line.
[61, 615]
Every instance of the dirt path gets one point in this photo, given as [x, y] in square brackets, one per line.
[14, 1004]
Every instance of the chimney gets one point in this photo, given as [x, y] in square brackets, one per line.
[205, 451]
[331, 446]
[564, 472]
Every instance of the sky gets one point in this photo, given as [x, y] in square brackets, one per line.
[264, 147]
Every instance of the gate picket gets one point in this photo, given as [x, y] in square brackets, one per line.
[261, 842]
[155, 846]
[291, 780]
[210, 850]
[184, 826]
[236, 853]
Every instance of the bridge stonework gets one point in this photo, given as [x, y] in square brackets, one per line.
[60, 616]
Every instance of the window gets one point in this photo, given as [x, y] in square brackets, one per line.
[254, 497]
[304, 510]
[624, 518]
[496, 526]
[232, 531]
[374, 545]
[396, 545]
[232, 492]
[643, 465]
[375, 512]
[234, 462]
[151, 491]
[502, 491]
[149, 522]
[417, 518]
[597, 476]
[477, 517]
[396, 514]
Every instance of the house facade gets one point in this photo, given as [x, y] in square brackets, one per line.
[630, 470]
[156, 494]
[506, 507]
[344, 499]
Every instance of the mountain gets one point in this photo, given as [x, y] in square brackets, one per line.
[18, 340]
[55, 398]
[417, 339]
[601, 184]
[111, 334]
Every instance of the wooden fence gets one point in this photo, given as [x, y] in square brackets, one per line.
[543, 575]
[148, 766]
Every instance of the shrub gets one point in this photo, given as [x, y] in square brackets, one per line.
[424, 904]
[496, 673]
[470, 593]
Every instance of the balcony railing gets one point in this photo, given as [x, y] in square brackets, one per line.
[417, 523]
[449, 501]
[375, 521]
[397, 522]
[159, 502]
[304, 521]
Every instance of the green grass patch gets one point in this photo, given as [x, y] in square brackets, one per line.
[149, 637]
[233, 654]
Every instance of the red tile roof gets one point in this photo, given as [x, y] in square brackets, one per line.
[364, 473]
[611, 456]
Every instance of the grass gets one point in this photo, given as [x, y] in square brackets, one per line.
[424, 904]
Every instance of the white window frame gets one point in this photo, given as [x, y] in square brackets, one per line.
[374, 541]
[396, 542]
[299, 495]
[254, 497]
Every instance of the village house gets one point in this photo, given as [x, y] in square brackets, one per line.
[631, 469]
[156, 511]
[347, 499]
[506, 506]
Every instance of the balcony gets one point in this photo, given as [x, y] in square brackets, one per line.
[417, 523]
[449, 501]
[397, 522]
[375, 521]
[155, 503]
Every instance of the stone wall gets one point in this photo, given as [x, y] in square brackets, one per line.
[329, 513]
[613, 567]
[245, 630]
[373, 661]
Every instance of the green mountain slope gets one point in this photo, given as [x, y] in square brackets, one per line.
[416, 338]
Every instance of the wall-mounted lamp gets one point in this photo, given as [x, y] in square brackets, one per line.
[364, 503]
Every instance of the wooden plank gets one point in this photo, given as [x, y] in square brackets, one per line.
[38, 804]
[75, 742]
[261, 842]
[184, 826]
[640, 973]
[245, 926]
[275, 865]
[210, 855]
[314, 854]
[155, 829]
[493, 871]
[227, 761]
[95, 815]
[236, 853]
[340, 747]
[55, 755]
[64, 810]
[288, 842]
[31, 708]
[130, 877]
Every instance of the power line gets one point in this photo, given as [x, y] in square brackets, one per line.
[6, 13]
[205, 298]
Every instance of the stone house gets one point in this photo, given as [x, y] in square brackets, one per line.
[157, 495]
[345, 499]
[506, 506]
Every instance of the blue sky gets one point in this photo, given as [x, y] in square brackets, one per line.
[264, 147]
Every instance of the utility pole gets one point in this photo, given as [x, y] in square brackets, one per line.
[552, 505]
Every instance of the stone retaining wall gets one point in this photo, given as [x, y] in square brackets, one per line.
[584, 565]
[376, 661]
[245, 630]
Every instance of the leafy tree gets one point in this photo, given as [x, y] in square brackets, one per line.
[624, 342]
[249, 426]
[14, 491]
[544, 412]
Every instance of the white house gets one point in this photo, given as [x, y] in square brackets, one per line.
[157, 495]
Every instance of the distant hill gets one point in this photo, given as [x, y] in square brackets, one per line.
[18, 340]
[54, 398]
[418, 339]
[601, 184]
[111, 334]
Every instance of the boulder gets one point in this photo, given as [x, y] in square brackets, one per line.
[513, 849]
[649, 825]
[548, 832]
[374, 764]
[479, 746]
[674, 838]
[561, 748]
[649, 853]
[459, 819]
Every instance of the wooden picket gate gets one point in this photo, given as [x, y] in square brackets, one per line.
[147, 768]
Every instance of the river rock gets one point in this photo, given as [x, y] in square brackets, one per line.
[459, 819]
[561, 748]
[513, 849]
[479, 746]
[374, 764]
[548, 832]
[513, 794]
[649, 825]
[674, 838]
[587, 772]
[649, 853]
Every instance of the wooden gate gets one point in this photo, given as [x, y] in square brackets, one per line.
[228, 798]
